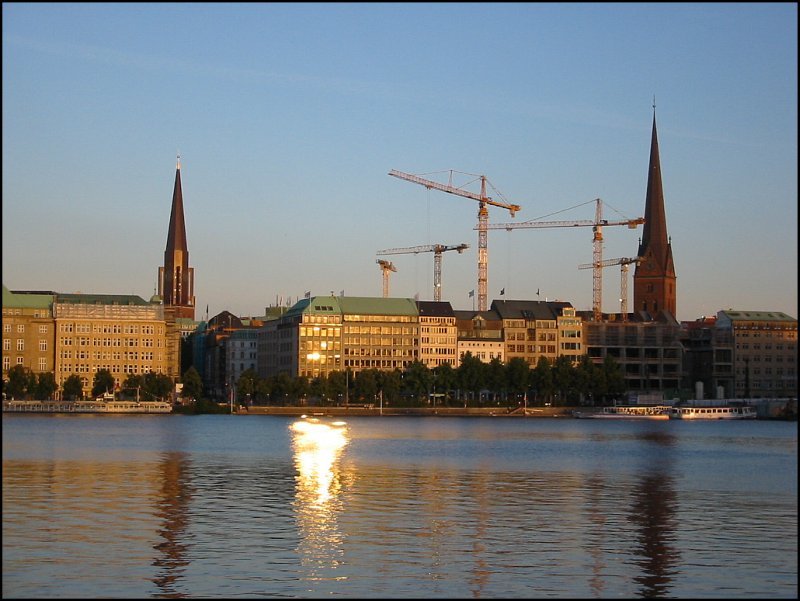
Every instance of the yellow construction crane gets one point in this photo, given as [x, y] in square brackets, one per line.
[386, 267]
[623, 262]
[437, 250]
[483, 219]
[597, 239]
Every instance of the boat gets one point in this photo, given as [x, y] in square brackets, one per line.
[713, 412]
[627, 412]
[95, 406]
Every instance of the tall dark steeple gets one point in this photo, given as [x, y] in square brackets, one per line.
[654, 281]
[176, 278]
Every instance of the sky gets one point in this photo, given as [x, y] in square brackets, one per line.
[288, 118]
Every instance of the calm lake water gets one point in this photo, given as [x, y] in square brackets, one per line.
[256, 506]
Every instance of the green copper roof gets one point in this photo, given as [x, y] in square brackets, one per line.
[354, 305]
[101, 299]
[28, 300]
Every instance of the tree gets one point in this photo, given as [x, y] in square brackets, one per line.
[73, 388]
[615, 380]
[471, 373]
[103, 382]
[157, 386]
[246, 385]
[21, 382]
[496, 376]
[46, 385]
[192, 384]
[366, 384]
[542, 379]
[417, 380]
[446, 379]
[518, 375]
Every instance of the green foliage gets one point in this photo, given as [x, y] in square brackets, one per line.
[192, 384]
[73, 388]
[21, 383]
[472, 382]
[46, 385]
[103, 382]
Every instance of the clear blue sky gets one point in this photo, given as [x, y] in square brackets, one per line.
[288, 118]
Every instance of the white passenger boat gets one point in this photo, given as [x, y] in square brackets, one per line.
[627, 412]
[713, 412]
[18, 406]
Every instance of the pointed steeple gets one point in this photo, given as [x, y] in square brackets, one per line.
[654, 279]
[176, 278]
[176, 235]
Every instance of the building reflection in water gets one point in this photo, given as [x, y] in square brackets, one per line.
[318, 448]
[653, 511]
[172, 508]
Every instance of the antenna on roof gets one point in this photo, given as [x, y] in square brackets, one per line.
[178, 165]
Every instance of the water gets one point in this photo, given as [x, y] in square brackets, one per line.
[247, 506]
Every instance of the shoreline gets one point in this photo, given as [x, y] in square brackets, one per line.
[351, 410]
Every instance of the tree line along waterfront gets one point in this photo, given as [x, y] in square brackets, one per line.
[473, 383]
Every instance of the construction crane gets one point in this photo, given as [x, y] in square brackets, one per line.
[483, 220]
[597, 240]
[386, 267]
[437, 250]
[623, 287]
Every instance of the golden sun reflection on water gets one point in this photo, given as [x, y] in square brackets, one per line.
[317, 448]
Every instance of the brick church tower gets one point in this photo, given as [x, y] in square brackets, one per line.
[176, 278]
[654, 280]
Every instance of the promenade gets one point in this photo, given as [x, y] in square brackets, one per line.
[361, 410]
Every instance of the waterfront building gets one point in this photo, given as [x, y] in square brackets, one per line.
[535, 329]
[764, 352]
[28, 331]
[175, 277]
[438, 334]
[121, 333]
[322, 334]
[216, 372]
[654, 280]
[708, 358]
[648, 350]
[480, 333]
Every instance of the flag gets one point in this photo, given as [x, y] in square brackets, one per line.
[471, 293]
[502, 292]
[537, 292]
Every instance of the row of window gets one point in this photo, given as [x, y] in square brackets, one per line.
[21, 328]
[21, 361]
[107, 328]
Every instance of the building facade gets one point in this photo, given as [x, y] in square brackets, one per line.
[28, 331]
[121, 333]
[764, 352]
[322, 334]
[536, 329]
[649, 351]
[438, 334]
[480, 333]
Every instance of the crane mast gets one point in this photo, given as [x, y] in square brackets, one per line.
[437, 250]
[386, 267]
[483, 221]
[623, 262]
[597, 243]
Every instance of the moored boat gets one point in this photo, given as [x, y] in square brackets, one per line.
[19, 406]
[713, 412]
[627, 412]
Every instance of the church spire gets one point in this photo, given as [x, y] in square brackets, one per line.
[654, 278]
[176, 278]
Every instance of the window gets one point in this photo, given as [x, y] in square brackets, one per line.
[43, 329]
[6, 344]
[21, 328]
[20, 345]
[42, 345]
[6, 327]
